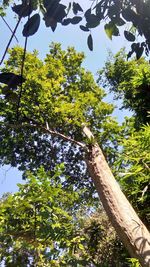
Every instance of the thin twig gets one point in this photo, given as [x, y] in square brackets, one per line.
[145, 165]
[35, 222]
[10, 40]
[22, 68]
[9, 28]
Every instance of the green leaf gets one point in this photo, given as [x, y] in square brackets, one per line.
[22, 10]
[81, 247]
[84, 28]
[11, 79]
[90, 42]
[66, 22]
[76, 8]
[111, 29]
[87, 13]
[139, 51]
[32, 25]
[55, 13]
[129, 15]
[129, 36]
[119, 21]
[92, 21]
[76, 20]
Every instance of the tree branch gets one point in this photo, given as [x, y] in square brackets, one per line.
[9, 28]
[87, 132]
[13, 34]
[46, 130]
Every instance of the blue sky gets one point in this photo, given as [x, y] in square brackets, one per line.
[67, 36]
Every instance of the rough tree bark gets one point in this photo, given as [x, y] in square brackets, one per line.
[127, 224]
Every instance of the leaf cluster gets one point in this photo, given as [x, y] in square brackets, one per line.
[114, 14]
[130, 82]
[4, 5]
[44, 225]
[60, 95]
[100, 244]
[133, 171]
[37, 226]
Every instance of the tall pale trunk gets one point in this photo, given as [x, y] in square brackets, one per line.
[126, 222]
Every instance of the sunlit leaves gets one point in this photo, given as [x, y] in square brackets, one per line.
[130, 80]
[111, 30]
[58, 93]
[136, 178]
[38, 216]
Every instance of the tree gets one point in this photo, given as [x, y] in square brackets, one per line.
[44, 224]
[42, 124]
[130, 82]
[101, 245]
[37, 225]
[117, 207]
[114, 14]
[65, 96]
[135, 178]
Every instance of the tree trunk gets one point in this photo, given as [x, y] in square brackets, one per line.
[127, 224]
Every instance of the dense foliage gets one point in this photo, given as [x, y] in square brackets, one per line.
[130, 82]
[45, 225]
[133, 14]
[37, 222]
[57, 94]
[133, 167]
[101, 245]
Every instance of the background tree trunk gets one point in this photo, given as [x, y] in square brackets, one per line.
[127, 224]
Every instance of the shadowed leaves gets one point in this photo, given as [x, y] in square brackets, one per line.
[11, 79]
[113, 13]
[129, 36]
[90, 42]
[76, 8]
[32, 25]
